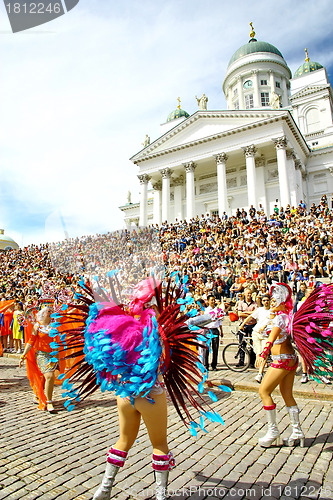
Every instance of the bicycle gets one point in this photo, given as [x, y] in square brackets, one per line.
[231, 353]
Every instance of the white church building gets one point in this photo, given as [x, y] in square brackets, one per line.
[273, 144]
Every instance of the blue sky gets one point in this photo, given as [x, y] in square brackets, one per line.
[80, 93]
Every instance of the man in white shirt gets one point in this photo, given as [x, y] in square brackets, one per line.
[261, 328]
[262, 316]
[214, 328]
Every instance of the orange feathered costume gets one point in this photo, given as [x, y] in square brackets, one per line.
[42, 342]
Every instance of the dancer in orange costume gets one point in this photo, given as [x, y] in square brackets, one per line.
[41, 362]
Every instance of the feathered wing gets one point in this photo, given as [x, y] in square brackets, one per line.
[182, 370]
[119, 352]
[70, 324]
[107, 347]
[312, 330]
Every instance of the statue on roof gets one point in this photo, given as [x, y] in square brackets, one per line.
[202, 101]
[146, 141]
[274, 101]
[129, 198]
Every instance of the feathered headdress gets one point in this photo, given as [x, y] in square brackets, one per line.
[282, 294]
[142, 294]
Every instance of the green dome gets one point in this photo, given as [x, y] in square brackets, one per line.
[252, 47]
[177, 113]
[307, 67]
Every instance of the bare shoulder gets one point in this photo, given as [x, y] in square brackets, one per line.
[35, 329]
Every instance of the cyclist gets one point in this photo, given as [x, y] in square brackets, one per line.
[244, 310]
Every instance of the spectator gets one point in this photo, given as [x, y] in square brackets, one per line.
[214, 330]
[289, 266]
[300, 294]
[236, 288]
[318, 266]
[263, 290]
[244, 309]
[276, 269]
[329, 266]
[17, 327]
[262, 316]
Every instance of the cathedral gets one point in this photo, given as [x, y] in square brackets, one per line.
[273, 145]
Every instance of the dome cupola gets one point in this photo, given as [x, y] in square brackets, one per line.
[257, 76]
[177, 113]
[307, 67]
[253, 46]
[7, 243]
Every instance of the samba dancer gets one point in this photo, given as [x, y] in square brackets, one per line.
[313, 338]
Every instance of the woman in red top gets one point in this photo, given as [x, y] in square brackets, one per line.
[41, 362]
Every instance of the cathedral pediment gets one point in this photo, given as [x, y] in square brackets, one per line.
[203, 126]
[308, 91]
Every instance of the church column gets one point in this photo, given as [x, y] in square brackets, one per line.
[190, 198]
[229, 199]
[165, 172]
[157, 219]
[178, 197]
[229, 98]
[240, 93]
[299, 181]
[144, 179]
[271, 81]
[256, 96]
[292, 177]
[260, 183]
[222, 183]
[281, 145]
[284, 88]
[249, 152]
[326, 118]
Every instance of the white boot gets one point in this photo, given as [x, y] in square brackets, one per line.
[161, 484]
[297, 434]
[104, 491]
[115, 460]
[161, 465]
[273, 435]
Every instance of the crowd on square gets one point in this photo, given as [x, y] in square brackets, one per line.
[148, 344]
[227, 255]
[233, 259]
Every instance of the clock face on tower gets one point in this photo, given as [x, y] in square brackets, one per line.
[248, 84]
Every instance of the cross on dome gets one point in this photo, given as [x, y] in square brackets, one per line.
[252, 32]
[307, 59]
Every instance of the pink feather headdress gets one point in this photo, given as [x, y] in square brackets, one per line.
[142, 293]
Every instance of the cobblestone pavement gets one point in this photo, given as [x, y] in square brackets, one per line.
[62, 456]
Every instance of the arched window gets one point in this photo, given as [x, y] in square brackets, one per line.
[312, 120]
